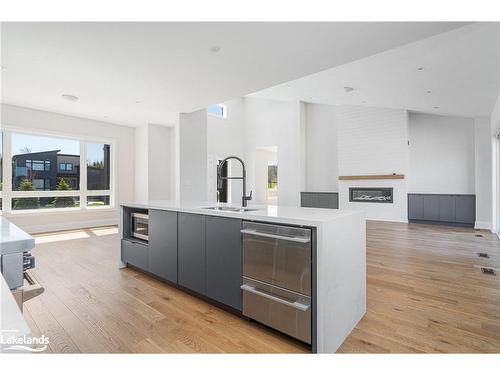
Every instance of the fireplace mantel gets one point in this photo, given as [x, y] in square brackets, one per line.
[393, 176]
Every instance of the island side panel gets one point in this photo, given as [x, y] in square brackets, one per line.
[341, 279]
[121, 223]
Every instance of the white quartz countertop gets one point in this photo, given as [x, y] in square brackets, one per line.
[276, 214]
[13, 239]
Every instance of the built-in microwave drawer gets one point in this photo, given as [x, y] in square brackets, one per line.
[278, 255]
[278, 308]
[135, 253]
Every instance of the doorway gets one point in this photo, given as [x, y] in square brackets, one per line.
[222, 191]
[266, 175]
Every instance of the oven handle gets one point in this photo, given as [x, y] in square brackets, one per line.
[276, 236]
[296, 305]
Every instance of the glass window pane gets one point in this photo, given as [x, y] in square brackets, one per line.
[98, 201]
[217, 110]
[36, 158]
[98, 166]
[45, 203]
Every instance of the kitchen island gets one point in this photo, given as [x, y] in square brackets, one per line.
[13, 326]
[199, 247]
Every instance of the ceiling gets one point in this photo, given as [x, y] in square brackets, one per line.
[138, 73]
[454, 73]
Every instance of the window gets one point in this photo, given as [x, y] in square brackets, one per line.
[272, 175]
[218, 110]
[38, 165]
[272, 182]
[66, 167]
[98, 166]
[47, 173]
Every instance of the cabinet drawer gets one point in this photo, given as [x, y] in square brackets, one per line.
[135, 253]
[278, 308]
[278, 255]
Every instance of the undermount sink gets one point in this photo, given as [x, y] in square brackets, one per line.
[232, 209]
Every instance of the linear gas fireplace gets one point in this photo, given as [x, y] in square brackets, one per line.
[375, 195]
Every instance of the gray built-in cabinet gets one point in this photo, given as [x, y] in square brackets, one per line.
[319, 199]
[442, 208]
[191, 252]
[200, 253]
[210, 257]
[224, 260]
[162, 260]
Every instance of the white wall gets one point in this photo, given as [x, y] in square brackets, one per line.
[30, 119]
[161, 160]
[441, 154]
[483, 175]
[192, 151]
[321, 148]
[280, 124]
[141, 163]
[225, 138]
[154, 162]
[373, 141]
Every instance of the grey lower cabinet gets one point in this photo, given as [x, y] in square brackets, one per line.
[191, 252]
[465, 211]
[431, 207]
[135, 253]
[223, 260]
[319, 199]
[415, 207]
[162, 260]
[445, 208]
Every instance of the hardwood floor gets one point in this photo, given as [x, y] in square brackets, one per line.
[426, 293]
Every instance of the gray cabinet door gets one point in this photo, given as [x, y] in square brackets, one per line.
[465, 208]
[135, 254]
[431, 207]
[163, 244]
[309, 200]
[415, 207]
[447, 208]
[223, 255]
[191, 252]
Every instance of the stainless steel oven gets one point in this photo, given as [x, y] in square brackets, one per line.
[139, 225]
[277, 277]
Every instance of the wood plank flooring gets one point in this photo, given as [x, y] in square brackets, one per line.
[426, 293]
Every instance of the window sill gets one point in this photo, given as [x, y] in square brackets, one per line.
[56, 211]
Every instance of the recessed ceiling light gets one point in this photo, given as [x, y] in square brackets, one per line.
[348, 88]
[420, 69]
[436, 107]
[214, 49]
[364, 102]
[429, 91]
[69, 97]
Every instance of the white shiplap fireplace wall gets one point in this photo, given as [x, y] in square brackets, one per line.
[373, 141]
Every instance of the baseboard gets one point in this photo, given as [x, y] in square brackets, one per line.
[387, 220]
[445, 223]
[55, 227]
[483, 225]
